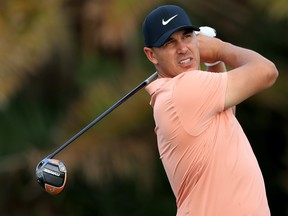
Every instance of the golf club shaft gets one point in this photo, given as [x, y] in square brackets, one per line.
[118, 103]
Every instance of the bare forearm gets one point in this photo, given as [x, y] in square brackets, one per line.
[250, 62]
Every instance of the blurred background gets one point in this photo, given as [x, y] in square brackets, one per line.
[64, 62]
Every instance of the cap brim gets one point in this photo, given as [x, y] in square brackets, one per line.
[163, 39]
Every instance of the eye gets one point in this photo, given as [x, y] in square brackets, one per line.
[188, 35]
[169, 41]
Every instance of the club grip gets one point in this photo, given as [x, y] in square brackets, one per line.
[151, 78]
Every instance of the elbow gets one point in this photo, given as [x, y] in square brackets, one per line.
[272, 73]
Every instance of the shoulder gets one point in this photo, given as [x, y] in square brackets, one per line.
[195, 80]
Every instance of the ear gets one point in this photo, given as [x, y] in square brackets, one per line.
[150, 55]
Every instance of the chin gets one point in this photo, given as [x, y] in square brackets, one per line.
[189, 68]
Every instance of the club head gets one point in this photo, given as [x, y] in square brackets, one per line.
[51, 174]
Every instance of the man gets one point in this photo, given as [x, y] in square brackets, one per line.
[208, 159]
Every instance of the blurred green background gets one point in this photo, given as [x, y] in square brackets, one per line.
[64, 62]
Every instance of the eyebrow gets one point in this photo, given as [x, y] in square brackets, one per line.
[185, 31]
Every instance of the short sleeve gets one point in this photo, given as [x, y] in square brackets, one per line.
[199, 96]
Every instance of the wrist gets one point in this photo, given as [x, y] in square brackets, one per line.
[212, 64]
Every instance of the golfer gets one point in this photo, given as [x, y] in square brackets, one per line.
[208, 159]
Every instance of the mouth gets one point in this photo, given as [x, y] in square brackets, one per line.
[185, 61]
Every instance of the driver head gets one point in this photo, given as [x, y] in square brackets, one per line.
[51, 174]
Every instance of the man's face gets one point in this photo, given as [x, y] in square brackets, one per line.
[179, 54]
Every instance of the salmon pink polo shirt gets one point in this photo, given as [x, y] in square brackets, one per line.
[208, 160]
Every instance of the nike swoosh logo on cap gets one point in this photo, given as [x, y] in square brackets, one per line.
[165, 22]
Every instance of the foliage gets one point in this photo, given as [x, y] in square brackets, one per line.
[30, 32]
[277, 9]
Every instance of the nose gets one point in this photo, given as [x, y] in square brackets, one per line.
[182, 48]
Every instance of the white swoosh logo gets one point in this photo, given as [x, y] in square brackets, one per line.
[165, 22]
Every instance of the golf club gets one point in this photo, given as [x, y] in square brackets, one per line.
[51, 173]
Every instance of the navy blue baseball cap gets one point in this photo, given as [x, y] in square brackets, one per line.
[162, 22]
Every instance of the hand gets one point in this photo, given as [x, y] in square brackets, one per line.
[208, 48]
[217, 66]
